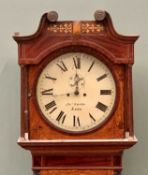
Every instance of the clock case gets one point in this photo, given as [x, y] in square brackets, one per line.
[100, 150]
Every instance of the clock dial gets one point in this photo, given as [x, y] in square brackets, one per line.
[76, 92]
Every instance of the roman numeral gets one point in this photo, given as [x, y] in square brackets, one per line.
[76, 121]
[62, 66]
[61, 117]
[91, 66]
[77, 62]
[47, 92]
[92, 117]
[50, 105]
[52, 110]
[101, 77]
[49, 77]
[101, 106]
[105, 92]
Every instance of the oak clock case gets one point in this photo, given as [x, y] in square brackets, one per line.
[76, 96]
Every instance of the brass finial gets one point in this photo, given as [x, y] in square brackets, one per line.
[52, 16]
[99, 15]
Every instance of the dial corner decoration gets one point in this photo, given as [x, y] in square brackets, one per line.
[76, 92]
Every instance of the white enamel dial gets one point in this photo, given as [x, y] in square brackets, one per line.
[76, 92]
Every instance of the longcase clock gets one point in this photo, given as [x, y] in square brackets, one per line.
[76, 96]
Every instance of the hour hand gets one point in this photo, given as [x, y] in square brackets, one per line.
[76, 91]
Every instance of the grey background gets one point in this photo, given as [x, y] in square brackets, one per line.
[129, 17]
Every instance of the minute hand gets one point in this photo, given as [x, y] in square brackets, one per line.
[65, 94]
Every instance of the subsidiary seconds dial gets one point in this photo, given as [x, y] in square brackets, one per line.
[76, 92]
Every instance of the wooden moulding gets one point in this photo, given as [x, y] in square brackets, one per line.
[24, 101]
[81, 146]
[95, 156]
[129, 101]
[34, 48]
[76, 172]
[107, 20]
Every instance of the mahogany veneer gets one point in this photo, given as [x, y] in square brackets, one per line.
[97, 152]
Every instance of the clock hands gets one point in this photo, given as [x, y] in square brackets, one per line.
[76, 83]
[76, 92]
[64, 94]
[77, 79]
